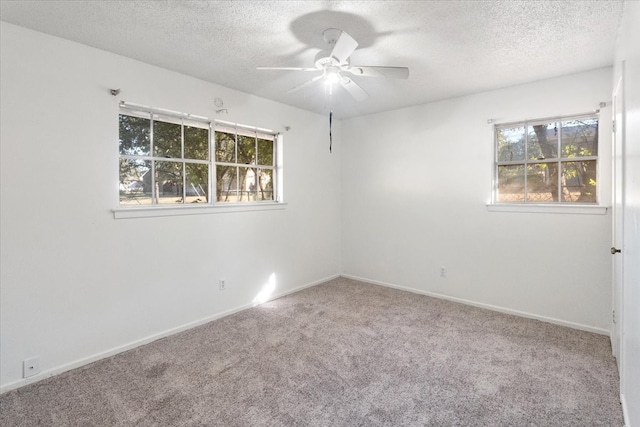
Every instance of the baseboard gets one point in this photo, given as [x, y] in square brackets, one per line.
[625, 411]
[485, 306]
[108, 353]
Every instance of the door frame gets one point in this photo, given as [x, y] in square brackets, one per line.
[617, 222]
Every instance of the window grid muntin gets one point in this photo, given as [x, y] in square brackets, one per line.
[558, 160]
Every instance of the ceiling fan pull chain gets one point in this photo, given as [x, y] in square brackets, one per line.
[330, 136]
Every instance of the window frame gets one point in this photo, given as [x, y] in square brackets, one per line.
[153, 158]
[212, 205]
[559, 206]
[257, 134]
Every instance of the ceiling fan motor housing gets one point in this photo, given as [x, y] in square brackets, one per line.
[325, 60]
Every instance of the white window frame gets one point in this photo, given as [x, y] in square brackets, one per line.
[254, 132]
[212, 206]
[545, 207]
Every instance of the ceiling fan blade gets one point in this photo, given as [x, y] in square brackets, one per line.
[354, 90]
[305, 84]
[344, 47]
[288, 68]
[392, 72]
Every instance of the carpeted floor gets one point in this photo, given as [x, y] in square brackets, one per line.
[343, 353]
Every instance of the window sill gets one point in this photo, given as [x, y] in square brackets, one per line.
[548, 208]
[157, 211]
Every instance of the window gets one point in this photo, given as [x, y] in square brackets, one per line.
[547, 161]
[166, 159]
[244, 163]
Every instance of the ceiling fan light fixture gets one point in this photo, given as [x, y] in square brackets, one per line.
[332, 76]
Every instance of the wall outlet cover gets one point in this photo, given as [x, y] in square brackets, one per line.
[31, 367]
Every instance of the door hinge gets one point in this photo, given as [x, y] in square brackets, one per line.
[613, 313]
[614, 126]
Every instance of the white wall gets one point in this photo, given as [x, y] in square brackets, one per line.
[76, 283]
[415, 184]
[628, 50]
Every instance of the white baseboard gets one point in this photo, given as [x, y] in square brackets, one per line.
[625, 411]
[486, 306]
[85, 361]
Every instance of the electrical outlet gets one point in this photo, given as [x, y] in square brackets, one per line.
[443, 271]
[222, 284]
[31, 367]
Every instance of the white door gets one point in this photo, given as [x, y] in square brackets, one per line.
[617, 234]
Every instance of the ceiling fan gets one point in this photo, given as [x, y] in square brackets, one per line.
[336, 67]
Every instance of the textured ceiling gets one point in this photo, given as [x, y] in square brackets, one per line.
[452, 48]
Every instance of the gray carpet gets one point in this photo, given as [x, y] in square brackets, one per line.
[343, 353]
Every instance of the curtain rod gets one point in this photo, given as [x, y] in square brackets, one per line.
[194, 117]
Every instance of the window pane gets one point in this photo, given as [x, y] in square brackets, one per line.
[543, 141]
[247, 181]
[196, 143]
[265, 184]
[246, 150]
[197, 182]
[225, 147]
[511, 183]
[135, 182]
[226, 183]
[510, 144]
[167, 139]
[265, 152]
[580, 138]
[579, 182]
[168, 182]
[134, 135]
[542, 182]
